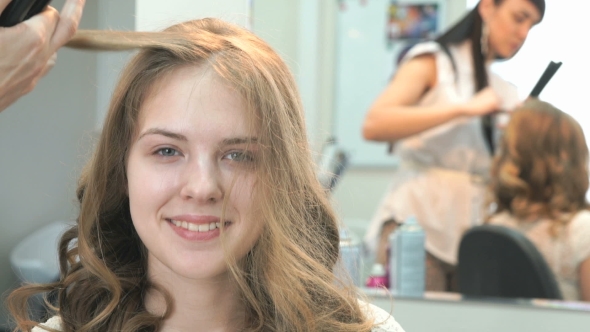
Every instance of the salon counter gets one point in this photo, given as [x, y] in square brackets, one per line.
[450, 312]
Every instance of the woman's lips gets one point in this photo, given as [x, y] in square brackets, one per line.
[193, 231]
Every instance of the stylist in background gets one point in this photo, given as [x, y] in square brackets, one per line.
[438, 110]
[28, 50]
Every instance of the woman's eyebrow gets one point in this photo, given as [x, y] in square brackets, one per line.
[239, 140]
[163, 132]
[528, 15]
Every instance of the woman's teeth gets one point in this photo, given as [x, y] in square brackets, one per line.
[195, 227]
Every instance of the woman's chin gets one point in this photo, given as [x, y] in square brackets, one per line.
[510, 53]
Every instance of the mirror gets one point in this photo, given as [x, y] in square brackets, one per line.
[366, 58]
[353, 36]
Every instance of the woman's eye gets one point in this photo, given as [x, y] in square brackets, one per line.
[240, 156]
[167, 152]
[519, 19]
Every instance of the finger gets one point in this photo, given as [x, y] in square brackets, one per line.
[3, 4]
[45, 22]
[69, 20]
[50, 64]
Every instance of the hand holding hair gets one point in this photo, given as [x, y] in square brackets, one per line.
[484, 102]
[29, 48]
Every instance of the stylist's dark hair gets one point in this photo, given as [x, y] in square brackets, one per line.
[470, 28]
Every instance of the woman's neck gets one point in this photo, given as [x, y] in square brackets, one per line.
[490, 58]
[198, 305]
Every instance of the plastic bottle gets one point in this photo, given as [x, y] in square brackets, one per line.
[378, 277]
[407, 259]
[351, 255]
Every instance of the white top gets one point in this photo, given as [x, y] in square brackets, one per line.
[53, 323]
[441, 172]
[563, 254]
[384, 322]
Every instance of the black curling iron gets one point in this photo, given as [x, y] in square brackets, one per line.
[547, 75]
[20, 10]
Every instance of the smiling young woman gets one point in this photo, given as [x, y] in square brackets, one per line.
[201, 209]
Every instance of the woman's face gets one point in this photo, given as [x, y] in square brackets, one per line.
[509, 23]
[193, 149]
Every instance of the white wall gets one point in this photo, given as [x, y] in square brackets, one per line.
[111, 15]
[297, 29]
[156, 15]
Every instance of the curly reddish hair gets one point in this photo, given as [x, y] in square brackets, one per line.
[541, 169]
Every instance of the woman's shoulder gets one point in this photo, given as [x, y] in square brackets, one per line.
[580, 235]
[53, 323]
[582, 219]
[445, 59]
[580, 226]
[458, 53]
[384, 322]
[423, 48]
[503, 219]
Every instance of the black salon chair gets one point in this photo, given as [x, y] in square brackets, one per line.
[496, 261]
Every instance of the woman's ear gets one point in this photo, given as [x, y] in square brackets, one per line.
[486, 9]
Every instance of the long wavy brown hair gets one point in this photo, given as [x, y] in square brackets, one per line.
[541, 170]
[287, 280]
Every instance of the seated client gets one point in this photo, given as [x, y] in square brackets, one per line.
[538, 186]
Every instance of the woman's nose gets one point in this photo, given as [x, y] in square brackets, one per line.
[523, 32]
[202, 183]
